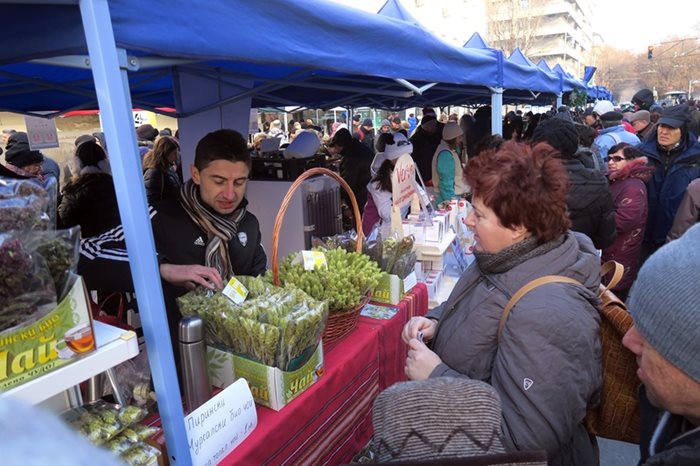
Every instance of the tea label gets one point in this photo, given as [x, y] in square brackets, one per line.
[57, 339]
[235, 291]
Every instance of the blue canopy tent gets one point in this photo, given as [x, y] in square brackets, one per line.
[394, 9]
[598, 93]
[69, 54]
[292, 60]
[519, 80]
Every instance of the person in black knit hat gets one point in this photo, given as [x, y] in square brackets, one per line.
[20, 158]
[643, 100]
[590, 203]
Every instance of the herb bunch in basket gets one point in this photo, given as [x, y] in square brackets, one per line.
[347, 279]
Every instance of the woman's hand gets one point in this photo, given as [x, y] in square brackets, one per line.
[420, 361]
[418, 324]
[190, 276]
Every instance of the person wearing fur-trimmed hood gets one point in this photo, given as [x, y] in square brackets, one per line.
[628, 173]
[89, 199]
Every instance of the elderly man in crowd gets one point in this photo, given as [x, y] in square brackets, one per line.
[665, 304]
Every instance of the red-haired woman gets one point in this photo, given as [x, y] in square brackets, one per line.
[546, 366]
[628, 174]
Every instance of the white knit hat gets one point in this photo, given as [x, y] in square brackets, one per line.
[400, 147]
[451, 130]
[603, 106]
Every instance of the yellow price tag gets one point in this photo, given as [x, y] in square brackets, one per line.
[235, 291]
[314, 260]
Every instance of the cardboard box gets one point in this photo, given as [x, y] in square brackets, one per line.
[59, 338]
[271, 387]
[391, 288]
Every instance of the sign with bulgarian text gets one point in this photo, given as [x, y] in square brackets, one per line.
[41, 132]
[403, 181]
[221, 424]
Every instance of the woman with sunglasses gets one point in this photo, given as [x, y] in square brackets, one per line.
[628, 173]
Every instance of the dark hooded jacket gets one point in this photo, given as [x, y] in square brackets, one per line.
[91, 202]
[161, 184]
[424, 146]
[590, 203]
[677, 440]
[355, 170]
[673, 171]
[629, 194]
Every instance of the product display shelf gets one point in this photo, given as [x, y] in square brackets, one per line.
[114, 346]
[429, 250]
[449, 280]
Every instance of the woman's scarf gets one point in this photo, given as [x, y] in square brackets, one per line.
[516, 254]
[220, 229]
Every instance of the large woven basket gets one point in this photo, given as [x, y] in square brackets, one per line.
[339, 323]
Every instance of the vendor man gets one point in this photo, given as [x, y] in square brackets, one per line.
[203, 238]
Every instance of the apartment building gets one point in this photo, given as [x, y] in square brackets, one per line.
[560, 31]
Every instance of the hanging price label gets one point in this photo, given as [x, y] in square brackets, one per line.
[409, 282]
[235, 291]
[314, 260]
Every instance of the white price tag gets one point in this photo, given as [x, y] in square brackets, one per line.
[314, 260]
[409, 282]
[235, 291]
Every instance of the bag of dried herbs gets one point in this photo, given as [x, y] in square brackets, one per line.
[274, 326]
[393, 255]
[61, 250]
[27, 204]
[27, 290]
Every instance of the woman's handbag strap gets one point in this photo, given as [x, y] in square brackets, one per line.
[526, 289]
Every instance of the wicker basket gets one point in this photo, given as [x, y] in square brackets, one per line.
[339, 323]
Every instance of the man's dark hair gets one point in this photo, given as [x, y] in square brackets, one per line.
[223, 144]
[586, 135]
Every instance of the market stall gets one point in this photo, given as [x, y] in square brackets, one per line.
[331, 421]
[111, 43]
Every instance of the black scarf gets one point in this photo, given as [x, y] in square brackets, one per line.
[220, 229]
[516, 254]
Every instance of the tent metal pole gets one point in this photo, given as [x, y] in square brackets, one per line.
[112, 86]
[559, 100]
[496, 110]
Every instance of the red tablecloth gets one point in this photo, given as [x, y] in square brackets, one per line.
[331, 421]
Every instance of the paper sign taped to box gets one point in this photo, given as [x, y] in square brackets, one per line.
[221, 424]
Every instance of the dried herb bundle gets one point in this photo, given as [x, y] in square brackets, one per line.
[273, 326]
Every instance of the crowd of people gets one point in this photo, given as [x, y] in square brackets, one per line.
[551, 196]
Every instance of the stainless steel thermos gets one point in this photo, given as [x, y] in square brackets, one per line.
[194, 365]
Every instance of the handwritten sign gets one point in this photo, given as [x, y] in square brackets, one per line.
[221, 424]
[403, 181]
[41, 132]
